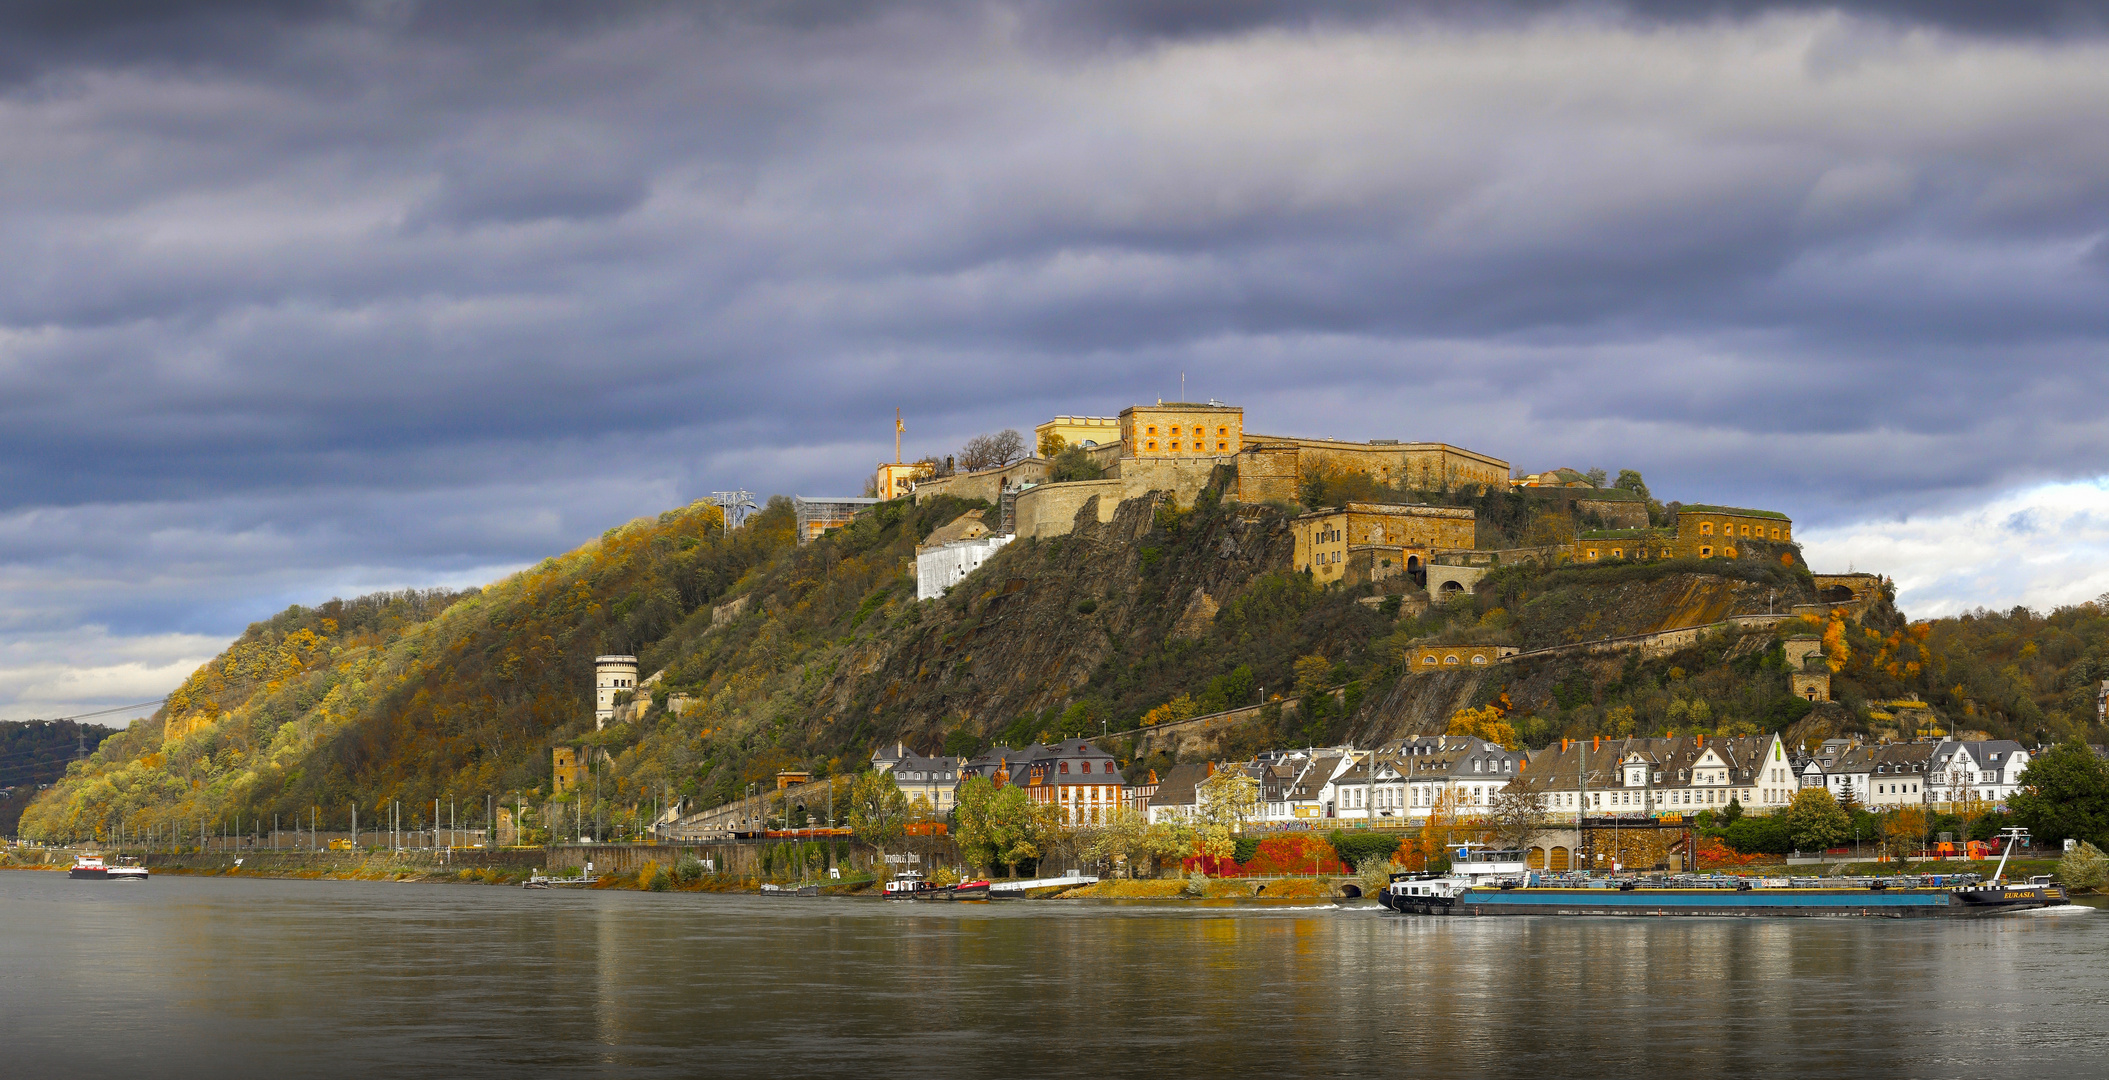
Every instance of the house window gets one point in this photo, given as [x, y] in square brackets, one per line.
[1065, 768]
[1087, 766]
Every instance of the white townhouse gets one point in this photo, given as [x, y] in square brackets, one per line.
[1652, 776]
[1975, 772]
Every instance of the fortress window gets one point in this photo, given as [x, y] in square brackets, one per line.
[1174, 446]
[1152, 446]
[1152, 430]
[1222, 431]
[1222, 446]
[1428, 659]
[1706, 528]
[1450, 659]
[1618, 553]
[1706, 553]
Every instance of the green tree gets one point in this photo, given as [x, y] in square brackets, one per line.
[962, 743]
[1760, 834]
[997, 826]
[878, 811]
[1629, 479]
[1815, 821]
[2064, 794]
[1073, 463]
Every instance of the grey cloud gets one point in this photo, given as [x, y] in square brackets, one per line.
[429, 290]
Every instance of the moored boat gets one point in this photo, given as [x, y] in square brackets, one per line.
[910, 885]
[790, 890]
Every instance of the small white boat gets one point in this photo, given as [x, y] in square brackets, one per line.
[129, 868]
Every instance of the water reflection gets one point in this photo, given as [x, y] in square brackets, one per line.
[329, 978]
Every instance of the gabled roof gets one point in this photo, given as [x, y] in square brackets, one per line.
[1181, 785]
[1558, 768]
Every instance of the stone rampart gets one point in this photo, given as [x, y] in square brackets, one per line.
[1051, 509]
[986, 485]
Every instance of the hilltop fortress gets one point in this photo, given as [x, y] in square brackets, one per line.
[1176, 447]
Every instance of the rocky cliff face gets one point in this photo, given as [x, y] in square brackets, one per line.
[1032, 629]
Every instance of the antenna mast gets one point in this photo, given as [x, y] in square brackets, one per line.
[898, 427]
[736, 505]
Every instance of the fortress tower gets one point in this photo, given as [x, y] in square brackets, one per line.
[611, 675]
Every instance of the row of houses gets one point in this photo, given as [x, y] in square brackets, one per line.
[1407, 781]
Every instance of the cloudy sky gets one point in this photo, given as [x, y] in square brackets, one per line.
[392, 294]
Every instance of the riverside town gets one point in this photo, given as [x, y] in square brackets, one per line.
[1156, 654]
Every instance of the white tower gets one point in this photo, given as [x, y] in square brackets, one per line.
[611, 675]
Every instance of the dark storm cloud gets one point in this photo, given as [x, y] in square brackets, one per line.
[305, 299]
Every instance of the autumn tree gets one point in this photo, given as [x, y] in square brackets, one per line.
[1816, 821]
[992, 451]
[1484, 723]
[1225, 799]
[1052, 443]
[1313, 673]
[1905, 828]
[1129, 837]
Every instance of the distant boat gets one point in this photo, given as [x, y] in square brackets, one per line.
[790, 890]
[90, 866]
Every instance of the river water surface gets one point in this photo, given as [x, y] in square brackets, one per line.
[228, 977]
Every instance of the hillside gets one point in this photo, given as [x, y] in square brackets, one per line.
[807, 656]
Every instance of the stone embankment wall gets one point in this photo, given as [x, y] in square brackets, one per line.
[744, 858]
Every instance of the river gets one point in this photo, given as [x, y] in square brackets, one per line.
[230, 977]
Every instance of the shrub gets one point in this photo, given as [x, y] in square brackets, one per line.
[688, 869]
[1358, 847]
[661, 881]
[2084, 867]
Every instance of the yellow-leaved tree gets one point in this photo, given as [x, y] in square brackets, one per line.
[1484, 723]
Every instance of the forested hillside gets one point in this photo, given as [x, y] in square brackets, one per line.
[820, 652]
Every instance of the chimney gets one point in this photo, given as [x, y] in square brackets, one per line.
[1596, 743]
[1563, 746]
[1702, 740]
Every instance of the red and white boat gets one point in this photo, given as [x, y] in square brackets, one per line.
[909, 885]
[91, 866]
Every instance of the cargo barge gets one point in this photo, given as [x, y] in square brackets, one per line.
[1483, 882]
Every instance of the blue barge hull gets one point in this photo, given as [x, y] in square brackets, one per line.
[1877, 903]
